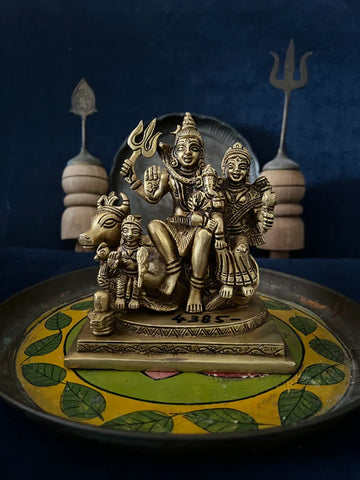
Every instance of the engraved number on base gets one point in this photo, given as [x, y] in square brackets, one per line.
[180, 318]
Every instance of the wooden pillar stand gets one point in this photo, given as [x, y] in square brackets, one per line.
[83, 185]
[287, 233]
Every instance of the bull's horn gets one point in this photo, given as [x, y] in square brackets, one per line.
[112, 198]
[125, 206]
[105, 200]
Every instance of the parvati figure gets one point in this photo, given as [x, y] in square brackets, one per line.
[248, 215]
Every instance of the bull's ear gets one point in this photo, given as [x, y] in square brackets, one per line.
[103, 200]
[112, 198]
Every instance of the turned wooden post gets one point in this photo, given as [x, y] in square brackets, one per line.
[84, 179]
[284, 174]
[287, 233]
[83, 185]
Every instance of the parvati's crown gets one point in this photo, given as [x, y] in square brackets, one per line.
[238, 149]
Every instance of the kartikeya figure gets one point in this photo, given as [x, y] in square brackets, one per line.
[128, 264]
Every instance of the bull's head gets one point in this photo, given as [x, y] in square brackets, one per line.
[106, 224]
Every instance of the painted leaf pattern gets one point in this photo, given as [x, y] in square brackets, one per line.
[43, 374]
[83, 305]
[142, 421]
[80, 401]
[222, 420]
[321, 374]
[327, 349]
[276, 305]
[58, 321]
[295, 405]
[305, 325]
[83, 402]
[44, 345]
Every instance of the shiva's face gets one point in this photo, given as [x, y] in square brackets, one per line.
[237, 169]
[188, 151]
[130, 233]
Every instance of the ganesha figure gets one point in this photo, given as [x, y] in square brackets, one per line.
[207, 205]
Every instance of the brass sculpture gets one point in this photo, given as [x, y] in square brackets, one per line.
[184, 295]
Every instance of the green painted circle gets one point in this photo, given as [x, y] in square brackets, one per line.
[187, 388]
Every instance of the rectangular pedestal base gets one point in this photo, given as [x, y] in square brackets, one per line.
[261, 350]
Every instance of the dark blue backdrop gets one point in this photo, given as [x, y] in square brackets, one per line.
[145, 59]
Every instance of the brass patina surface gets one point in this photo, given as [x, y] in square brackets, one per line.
[182, 297]
[261, 350]
[182, 325]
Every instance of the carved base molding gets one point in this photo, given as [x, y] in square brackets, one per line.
[172, 348]
[223, 323]
[260, 350]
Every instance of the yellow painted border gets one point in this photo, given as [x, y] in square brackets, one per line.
[263, 408]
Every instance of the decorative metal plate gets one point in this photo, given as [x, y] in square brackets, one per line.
[187, 410]
[218, 137]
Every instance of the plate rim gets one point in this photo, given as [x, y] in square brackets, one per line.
[172, 439]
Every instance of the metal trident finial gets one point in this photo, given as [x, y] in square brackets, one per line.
[148, 144]
[287, 84]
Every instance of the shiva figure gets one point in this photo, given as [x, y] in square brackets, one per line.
[248, 215]
[180, 235]
[128, 264]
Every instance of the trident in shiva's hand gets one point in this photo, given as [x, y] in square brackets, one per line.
[146, 147]
[287, 84]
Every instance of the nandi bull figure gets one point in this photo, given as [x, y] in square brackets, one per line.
[106, 224]
[124, 264]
